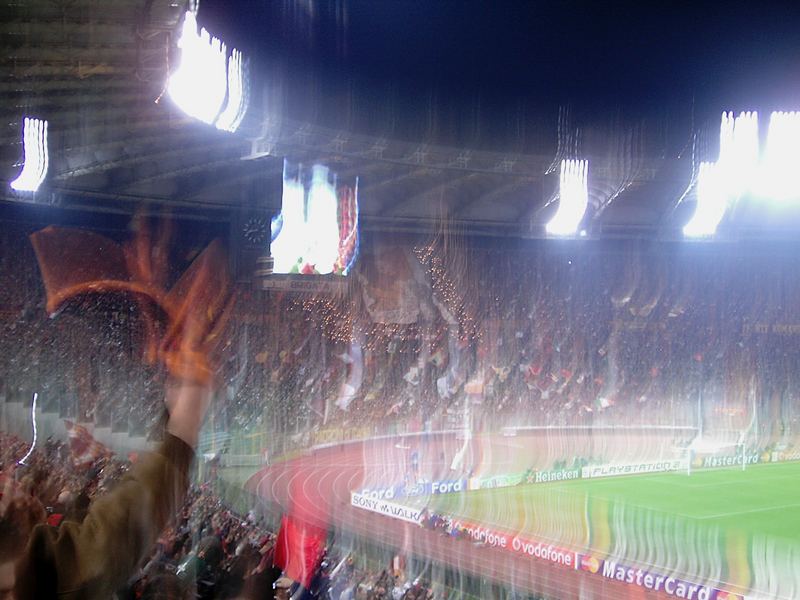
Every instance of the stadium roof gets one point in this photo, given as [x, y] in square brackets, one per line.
[489, 163]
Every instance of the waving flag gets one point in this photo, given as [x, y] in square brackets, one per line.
[193, 313]
[299, 548]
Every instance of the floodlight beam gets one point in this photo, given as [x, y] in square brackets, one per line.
[231, 117]
[199, 85]
[35, 150]
[779, 177]
[573, 198]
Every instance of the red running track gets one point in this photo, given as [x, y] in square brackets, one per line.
[317, 486]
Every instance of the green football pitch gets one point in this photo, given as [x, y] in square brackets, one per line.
[707, 508]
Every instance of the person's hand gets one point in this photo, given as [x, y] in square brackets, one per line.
[18, 508]
[187, 403]
[203, 303]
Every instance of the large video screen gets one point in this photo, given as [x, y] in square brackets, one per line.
[316, 232]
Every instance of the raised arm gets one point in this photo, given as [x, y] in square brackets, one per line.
[94, 558]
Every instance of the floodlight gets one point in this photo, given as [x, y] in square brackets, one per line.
[573, 198]
[231, 117]
[713, 194]
[34, 141]
[199, 85]
[779, 178]
[738, 151]
[731, 177]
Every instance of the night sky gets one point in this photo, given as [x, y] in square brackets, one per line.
[638, 58]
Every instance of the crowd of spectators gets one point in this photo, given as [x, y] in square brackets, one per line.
[49, 476]
[614, 337]
[444, 524]
[513, 337]
[631, 338]
[340, 579]
[208, 551]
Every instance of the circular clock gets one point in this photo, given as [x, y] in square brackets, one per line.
[256, 229]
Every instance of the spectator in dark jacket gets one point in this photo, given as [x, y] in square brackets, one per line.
[94, 558]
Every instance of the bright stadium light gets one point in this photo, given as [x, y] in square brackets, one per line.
[573, 198]
[738, 150]
[34, 141]
[199, 85]
[779, 178]
[731, 177]
[713, 193]
[231, 117]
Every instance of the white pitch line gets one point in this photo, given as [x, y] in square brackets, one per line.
[745, 512]
[739, 482]
[690, 485]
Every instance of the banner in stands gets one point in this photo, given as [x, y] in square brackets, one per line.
[726, 460]
[384, 507]
[338, 434]
[478, 533]
[386, 493]
[554, 475]
[427, 488]
[651, 580]
[606, 567]
[447, 486]
[496, 481]
[326, 436]
[390, 277]
[295, 283]
[784, 455]
[491, 537]
[633, 468]
[533, 548]
[512, 479]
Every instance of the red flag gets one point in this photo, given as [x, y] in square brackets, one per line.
[195, 311]
[200, 305]
[75, 262]
[83, 447]
[298, 549]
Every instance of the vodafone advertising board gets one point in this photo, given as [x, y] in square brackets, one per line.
[536, 549]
